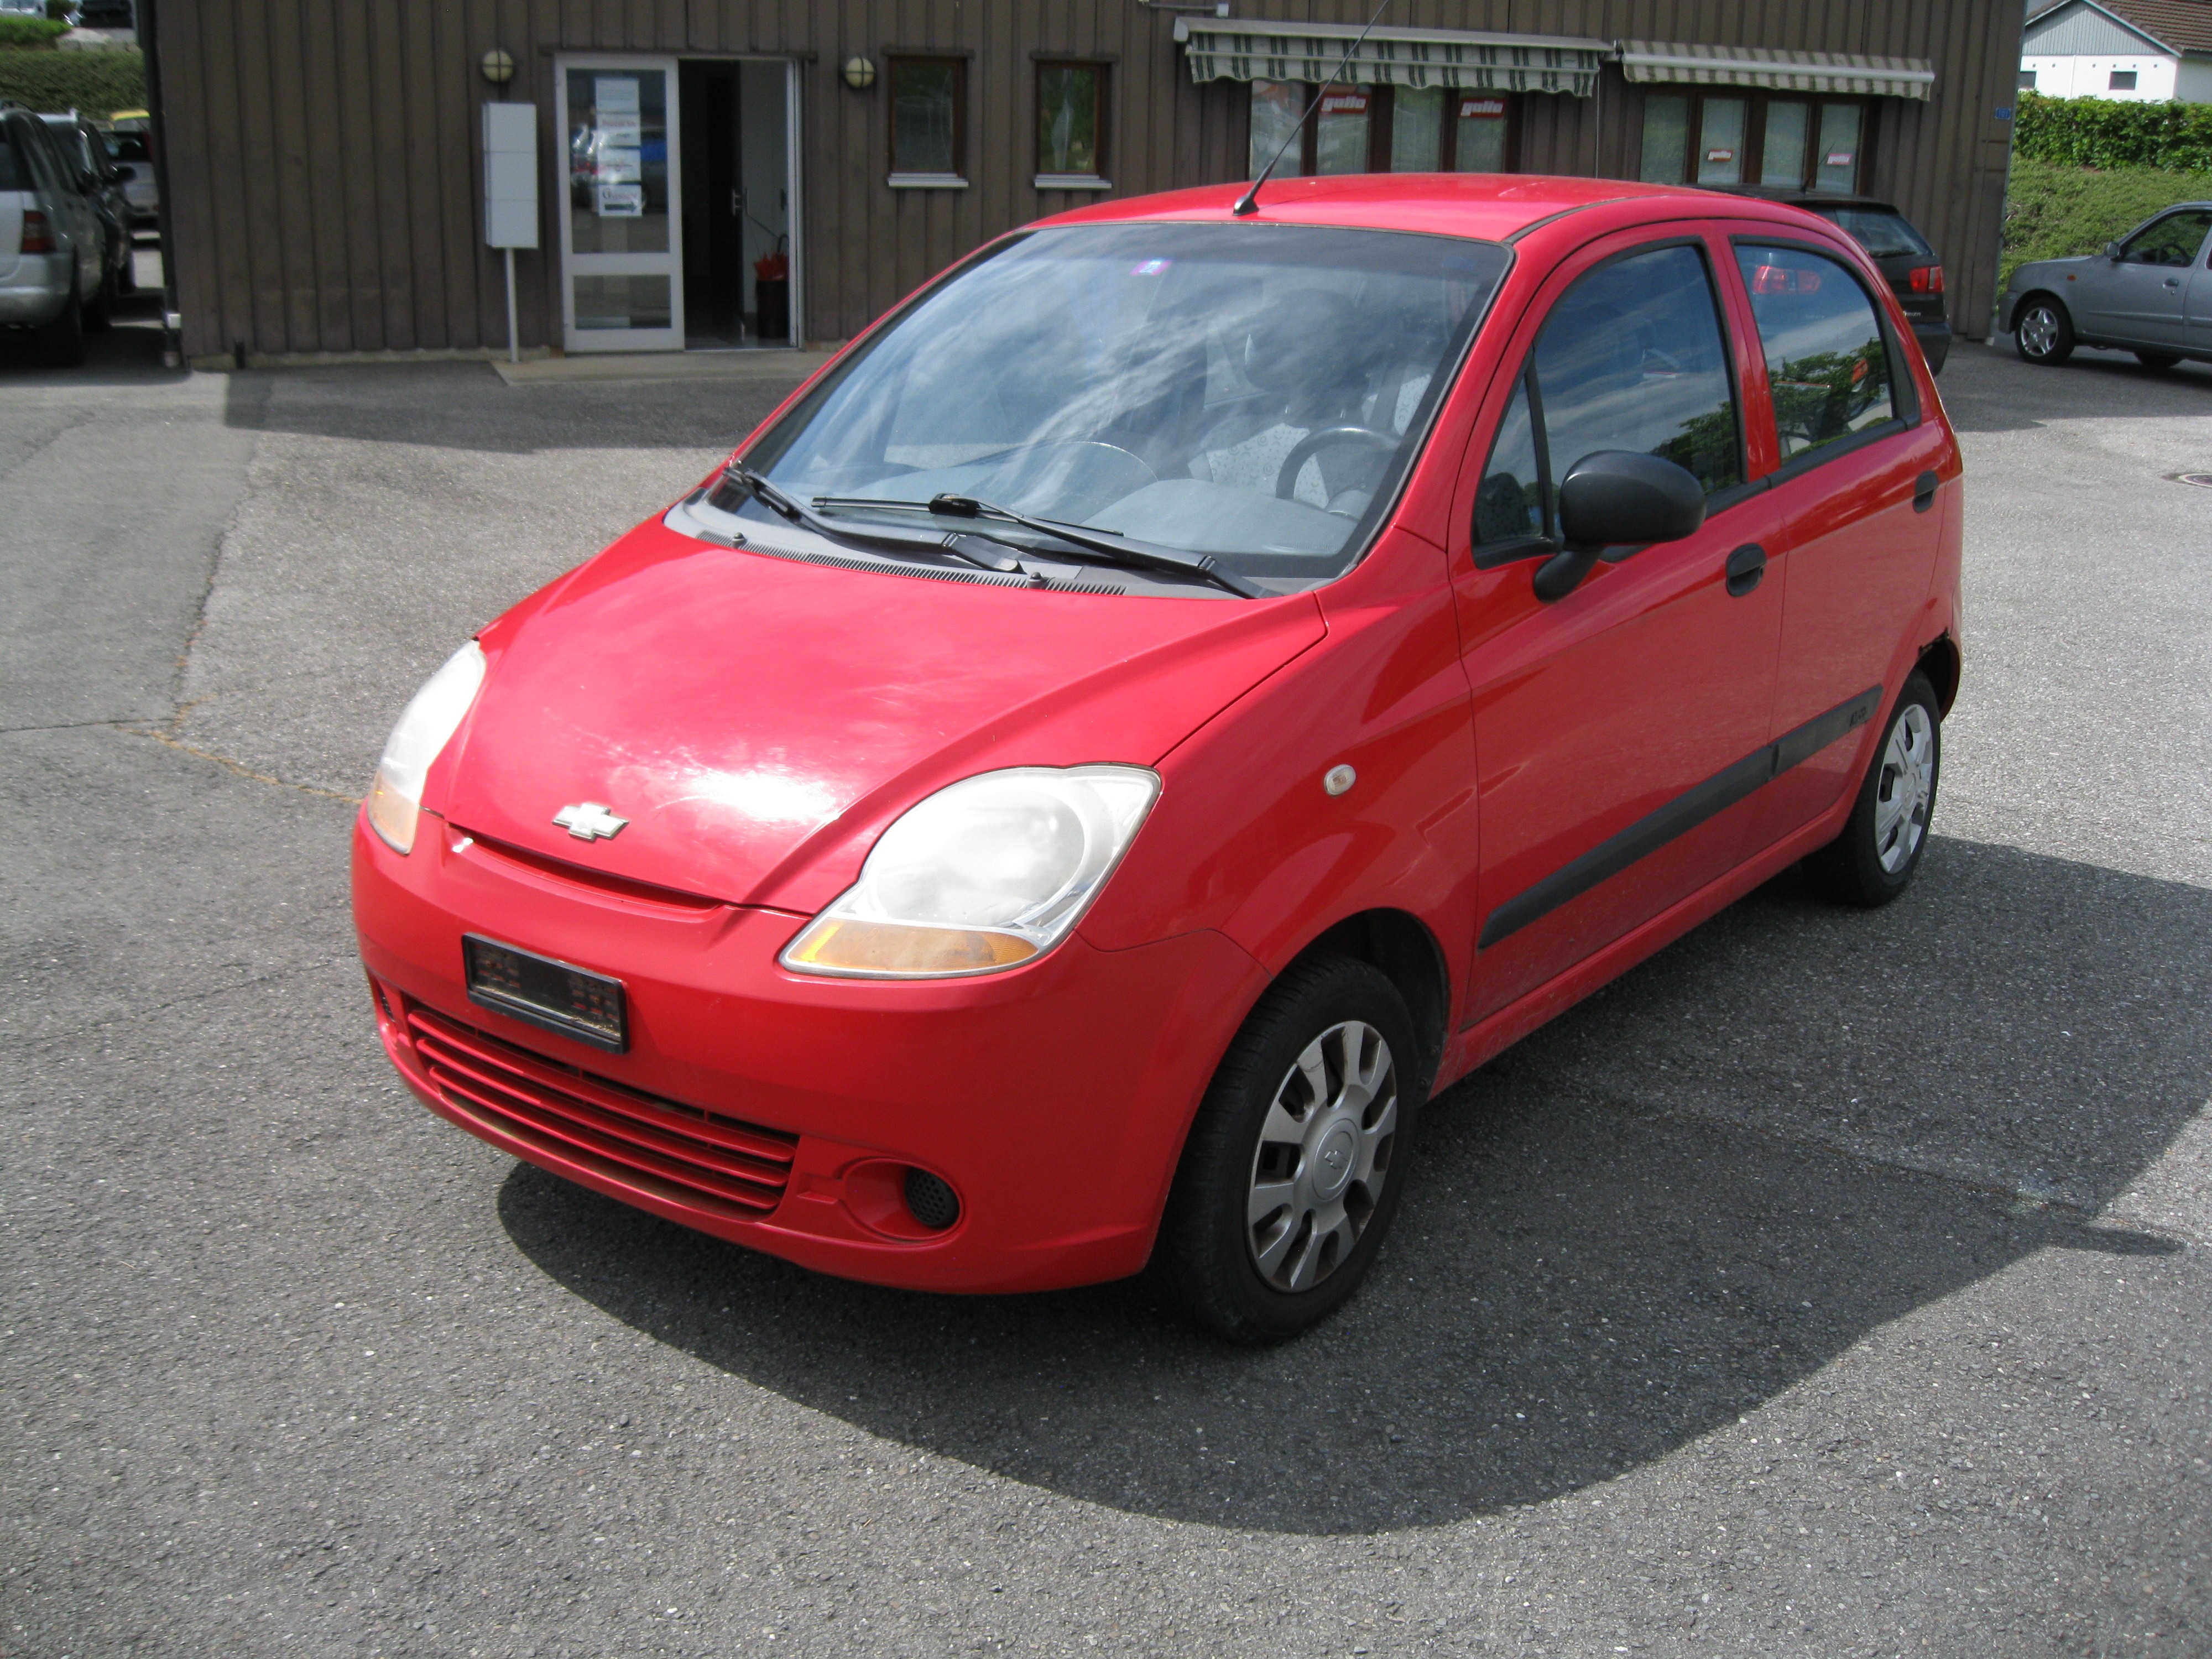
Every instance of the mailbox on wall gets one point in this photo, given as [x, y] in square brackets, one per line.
[510, 143]
[510, 147]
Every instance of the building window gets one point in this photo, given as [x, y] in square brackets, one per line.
[1071, 122]
[1383, 129]
[929, 120]
[2123, 81]
[1774, 140]
[2028, 80]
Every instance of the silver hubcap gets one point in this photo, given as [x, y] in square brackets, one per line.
[2038, 330]
[1324, 1152]
[1907, 785]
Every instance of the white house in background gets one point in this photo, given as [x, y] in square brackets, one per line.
[2145, 50]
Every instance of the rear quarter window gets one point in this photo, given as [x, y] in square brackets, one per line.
[14, 172]
[1884, 235]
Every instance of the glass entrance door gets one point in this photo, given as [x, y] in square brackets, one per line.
[620, 239]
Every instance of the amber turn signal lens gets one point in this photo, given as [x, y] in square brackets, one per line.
[884, 947]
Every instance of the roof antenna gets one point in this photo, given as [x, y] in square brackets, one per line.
[1249, 203]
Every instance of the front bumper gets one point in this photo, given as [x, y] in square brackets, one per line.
[1053, 1098]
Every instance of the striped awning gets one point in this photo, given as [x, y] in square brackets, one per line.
[1258, 49]
[1783, 72]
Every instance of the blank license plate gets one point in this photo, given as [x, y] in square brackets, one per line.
[541, 992]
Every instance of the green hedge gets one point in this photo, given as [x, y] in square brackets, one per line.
[99, 81]
[2054, 212]
[30, 31]
[2104, 132]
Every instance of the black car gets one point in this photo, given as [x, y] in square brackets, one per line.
[1914, 272]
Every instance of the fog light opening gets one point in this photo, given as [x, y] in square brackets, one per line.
[931, 1201]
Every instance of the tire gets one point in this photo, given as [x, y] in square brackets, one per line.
[1331, 1159]
[1874, 860]
[2043, 333]
[60, 344]
[101, 312]
[2157, 359]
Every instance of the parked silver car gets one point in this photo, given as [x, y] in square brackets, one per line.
[129, 146]
[84, 148]
[53, 246]
[2149, 293]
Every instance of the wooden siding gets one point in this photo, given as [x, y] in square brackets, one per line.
[325, 170]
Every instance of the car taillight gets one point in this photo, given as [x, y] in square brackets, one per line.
[1926, 279]
[37, 234]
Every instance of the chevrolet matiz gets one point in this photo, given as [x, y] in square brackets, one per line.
[1182, 689]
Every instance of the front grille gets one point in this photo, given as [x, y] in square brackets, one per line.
[694, 1157]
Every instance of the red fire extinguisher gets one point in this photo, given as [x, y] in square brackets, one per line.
[771, 293]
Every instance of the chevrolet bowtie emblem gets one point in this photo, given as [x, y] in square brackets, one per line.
[589, 821]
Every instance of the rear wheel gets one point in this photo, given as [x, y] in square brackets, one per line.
[60, 344]
[101, 312]
[2157, 359]
[2043, 334]
[1294, 1164]
[1872, 860]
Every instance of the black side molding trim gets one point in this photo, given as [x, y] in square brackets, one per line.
[1678, 816]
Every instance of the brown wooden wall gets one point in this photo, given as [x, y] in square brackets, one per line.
[326, 176]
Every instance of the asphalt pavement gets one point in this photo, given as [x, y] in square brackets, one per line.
[1834, 1284]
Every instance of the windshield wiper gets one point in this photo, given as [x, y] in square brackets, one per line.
[980, 548]
[1115, 549]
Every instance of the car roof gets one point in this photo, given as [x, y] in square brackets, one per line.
[1491, 206]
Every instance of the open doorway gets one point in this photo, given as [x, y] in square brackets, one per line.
[735, 137]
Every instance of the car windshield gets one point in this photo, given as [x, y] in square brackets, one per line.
[1254, 393]
[1885, 235]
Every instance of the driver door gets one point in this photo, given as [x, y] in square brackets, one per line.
[1620, 730]
[2138, 298]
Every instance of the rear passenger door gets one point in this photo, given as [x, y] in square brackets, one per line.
[1620, 730]
[1854, 480]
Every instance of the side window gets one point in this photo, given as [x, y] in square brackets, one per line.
[1631, 357]
[2173, 241]
[1826, 363]
[1510, 503]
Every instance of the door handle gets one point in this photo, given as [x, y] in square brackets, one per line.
[2174, 281]
[1923, 492]
[1746, 566]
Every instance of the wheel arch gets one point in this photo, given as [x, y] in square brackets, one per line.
[1939, 661]
[1399, 945]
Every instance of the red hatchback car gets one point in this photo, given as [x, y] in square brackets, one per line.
[1177, 693]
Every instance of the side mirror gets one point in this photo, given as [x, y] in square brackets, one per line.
[1618, 498]
[2112, 251]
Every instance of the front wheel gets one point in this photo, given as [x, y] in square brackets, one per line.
[1295, 1162]
[2043, 334]
[1872, 860]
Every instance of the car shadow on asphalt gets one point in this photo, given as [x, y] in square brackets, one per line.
[1616, 1238]
[127, 354]
[1986, 388]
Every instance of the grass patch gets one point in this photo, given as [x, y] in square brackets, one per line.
[2054, 212]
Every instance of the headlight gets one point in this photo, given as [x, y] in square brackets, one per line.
[985, 873]
[425, 725]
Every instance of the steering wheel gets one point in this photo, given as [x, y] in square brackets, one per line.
[1327, 437]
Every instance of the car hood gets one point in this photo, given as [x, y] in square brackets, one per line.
[758, 721]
